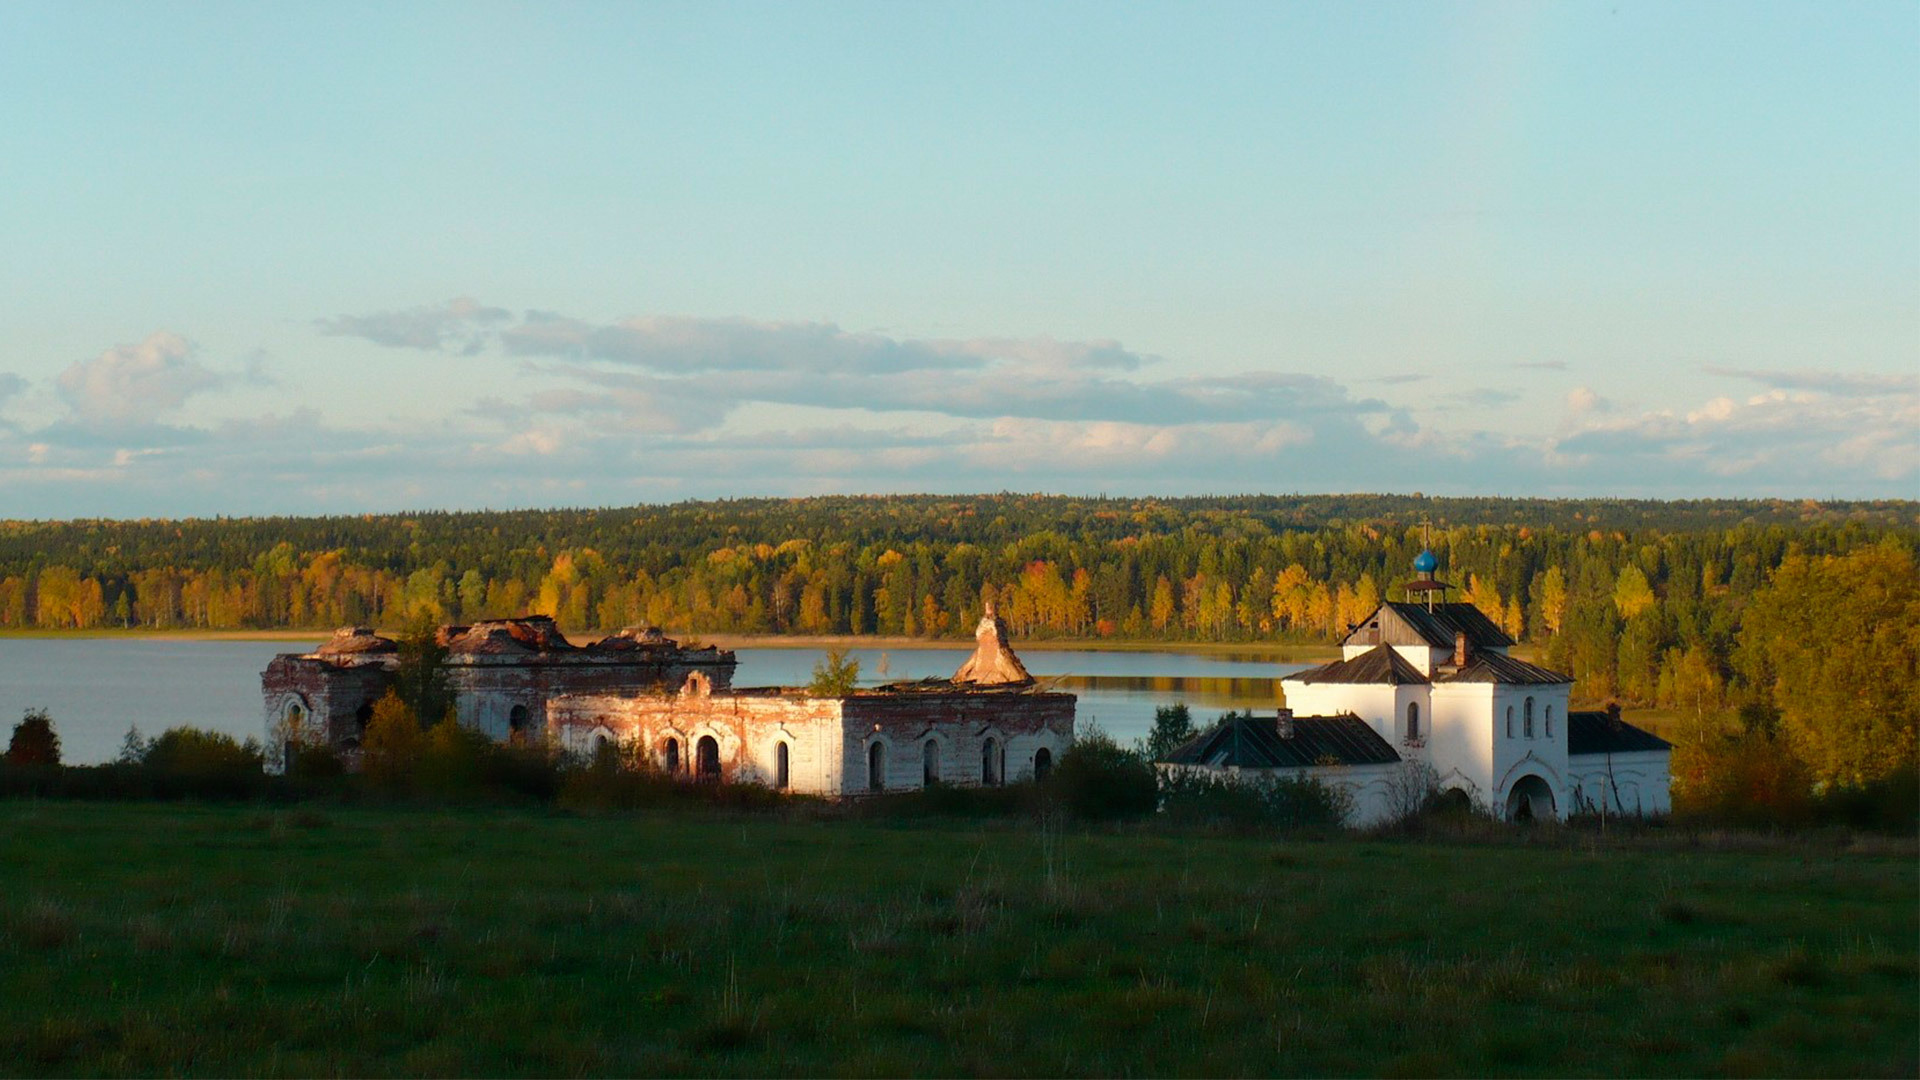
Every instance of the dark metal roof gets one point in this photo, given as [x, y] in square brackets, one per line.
[1255, 743]
[1500, 668]
[1601, 733]
[1445, 620]
[1379, 664]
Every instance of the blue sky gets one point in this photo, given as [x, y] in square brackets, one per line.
[326, 258]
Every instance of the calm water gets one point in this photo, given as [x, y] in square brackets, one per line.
[97, 688]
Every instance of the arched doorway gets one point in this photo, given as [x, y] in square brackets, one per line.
[362, 716]
[706, 756]
[517, 724]
[877, 767]
[930, 763]
[782, 773]
[672, 757]
[1042, 763]
[990, 763]
[1530, 799]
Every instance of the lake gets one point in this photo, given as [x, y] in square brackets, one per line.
[95, 688]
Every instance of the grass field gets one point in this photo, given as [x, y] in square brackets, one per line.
[153, 938]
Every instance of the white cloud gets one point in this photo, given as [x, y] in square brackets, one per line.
[134, 385]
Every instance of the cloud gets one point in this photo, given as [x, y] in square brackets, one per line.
[133, 385]
[460, 325]
[674, 345]
[1542, 365]
[1402, 379]
[1582, 400]
[10, 384]
[1848, 383]
[1782, 438]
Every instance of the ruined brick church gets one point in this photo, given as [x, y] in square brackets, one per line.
[522, 680]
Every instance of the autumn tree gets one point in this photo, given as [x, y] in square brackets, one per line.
[1834, 642]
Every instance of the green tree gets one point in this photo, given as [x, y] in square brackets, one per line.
[1172, 727]
[1835, 642]
[34, 740]
[835, 675]
[420, 677]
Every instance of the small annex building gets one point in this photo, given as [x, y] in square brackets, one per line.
[990, 723]
[1343, 751]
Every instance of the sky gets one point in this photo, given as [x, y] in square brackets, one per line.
[337, 258]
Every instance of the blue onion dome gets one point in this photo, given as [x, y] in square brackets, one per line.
[1425, 563]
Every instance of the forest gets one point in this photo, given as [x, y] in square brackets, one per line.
[1787, 610]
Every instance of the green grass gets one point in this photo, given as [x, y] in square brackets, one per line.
[152, 938]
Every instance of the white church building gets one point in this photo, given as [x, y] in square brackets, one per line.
[1435, 681]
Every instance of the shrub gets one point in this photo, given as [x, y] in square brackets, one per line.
[1099, 780]
[187, 761]
[34, 740]
[1282, 803]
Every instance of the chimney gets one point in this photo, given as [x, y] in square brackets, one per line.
[1460, 649]
[1613, 713]
[1283, 723]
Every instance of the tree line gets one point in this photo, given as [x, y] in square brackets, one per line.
[1697, 606]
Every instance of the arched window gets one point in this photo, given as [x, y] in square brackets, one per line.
[517, 723]
[1413, 720]
[361, 717]
[990, 763]
[1549, 721]
[877, 767]
[1526, 720]
[781, 774]
[1509, 721]
[601, 745]
[1042, 763]
[673, 757]
[930, 763]
[706, 755]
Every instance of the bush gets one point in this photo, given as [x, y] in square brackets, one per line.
[189, 762]
[34, 740]
[1285, 804]
[1099, 780]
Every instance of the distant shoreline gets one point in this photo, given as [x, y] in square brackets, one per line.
[1258, 650]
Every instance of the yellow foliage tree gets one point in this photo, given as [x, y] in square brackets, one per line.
[393, 743]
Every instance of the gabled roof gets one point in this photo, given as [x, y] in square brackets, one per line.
[1255, 743]
[1499, 668]
[1601, 733]
[1380, 664]
[1436, 628]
